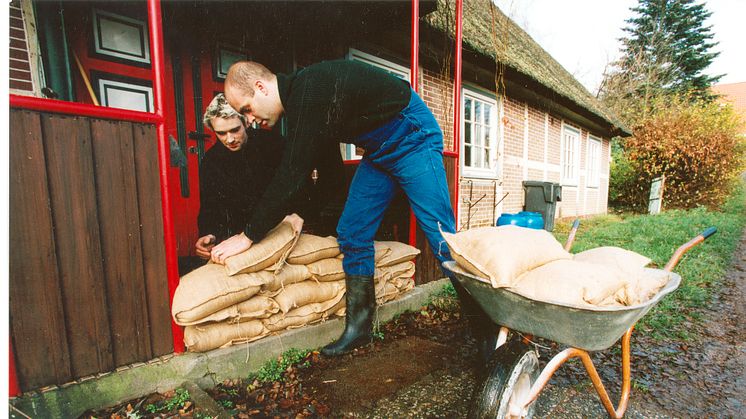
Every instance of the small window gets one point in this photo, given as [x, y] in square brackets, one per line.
[479, 135]
[594, 162]
[122, 92]
[120, 37]
[225, 57]
[570, 154]
[350, 151]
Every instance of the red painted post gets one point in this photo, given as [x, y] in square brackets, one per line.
[13, 388]
[414, 63]
[156, 49]
[457, 105]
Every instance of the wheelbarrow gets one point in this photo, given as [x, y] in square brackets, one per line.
[513, 380]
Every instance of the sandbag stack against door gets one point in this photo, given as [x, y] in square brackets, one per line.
[534, 264]
[285, 281]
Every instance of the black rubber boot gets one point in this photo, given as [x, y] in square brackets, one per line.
[482, 329]
[360, 298]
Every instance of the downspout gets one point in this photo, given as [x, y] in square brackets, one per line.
[53, 41]
[457, 108]
[414, 62]
[169, 238]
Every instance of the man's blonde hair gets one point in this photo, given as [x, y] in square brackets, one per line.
[219, 108]
[242, 74]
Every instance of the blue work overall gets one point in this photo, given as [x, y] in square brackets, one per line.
[407, 152]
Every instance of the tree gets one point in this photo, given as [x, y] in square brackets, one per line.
[666, 53]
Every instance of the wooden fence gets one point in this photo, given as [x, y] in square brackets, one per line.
[88, 286]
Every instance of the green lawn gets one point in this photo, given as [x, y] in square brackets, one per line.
[657, 237]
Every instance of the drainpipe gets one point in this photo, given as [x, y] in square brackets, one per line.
[415, 63]
[457, 107]
[169, 238]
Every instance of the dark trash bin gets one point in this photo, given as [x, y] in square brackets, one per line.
[542, 197]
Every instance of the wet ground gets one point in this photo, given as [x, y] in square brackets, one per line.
[425, 367]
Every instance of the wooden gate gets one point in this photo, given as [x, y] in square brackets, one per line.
[88, 285]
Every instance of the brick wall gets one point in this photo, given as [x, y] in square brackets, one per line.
[19, 64]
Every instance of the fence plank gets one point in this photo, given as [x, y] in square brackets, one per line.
[153, 250]
[67, 143]
[36, 310]
[120, 240]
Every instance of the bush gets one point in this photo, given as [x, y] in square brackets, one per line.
[694, 144]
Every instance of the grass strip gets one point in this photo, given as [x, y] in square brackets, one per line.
[657, 237]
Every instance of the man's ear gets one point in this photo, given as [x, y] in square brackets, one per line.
[259, 86]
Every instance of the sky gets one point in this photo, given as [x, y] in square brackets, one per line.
[583, 35]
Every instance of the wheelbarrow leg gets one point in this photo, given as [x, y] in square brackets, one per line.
[570, 353]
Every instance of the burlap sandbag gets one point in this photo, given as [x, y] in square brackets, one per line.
[289, 274]
[256, 307]
[307, 292]
[303, 315]
[502, 254]
[310, 248]
[405, 269]
[644, 285]
[381, 250]
[326, 270]
[216, 335]
[208, 289]
[571, 282]
[613, 256]
[399, 252]
[269, 254]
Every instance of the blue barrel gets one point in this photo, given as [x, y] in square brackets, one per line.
[522, 219]
[533, 219]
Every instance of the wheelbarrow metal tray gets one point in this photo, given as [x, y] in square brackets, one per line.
[579, 327]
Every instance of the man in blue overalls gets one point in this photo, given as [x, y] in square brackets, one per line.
[352, 102]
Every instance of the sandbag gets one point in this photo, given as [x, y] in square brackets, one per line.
[307, 292]
[570, 282]
[310, 248]
[643, 285]
[288, 274]
[256, 307]
[208, 289]
[217, 335]
[502, 254]
[404, 269]
[613, 256]
[326, 270]
[304, 315]
[398, 253]
[381, 250]
[269, 254]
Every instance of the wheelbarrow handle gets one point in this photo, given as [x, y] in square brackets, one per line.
[571, 236]
[688, 245]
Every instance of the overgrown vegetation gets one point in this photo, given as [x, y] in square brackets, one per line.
[657, 237]
[694, 144]
[180, 400]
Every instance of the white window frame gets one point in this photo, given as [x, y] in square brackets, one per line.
[593, 163]
[349, 150]
[105, 86]
[142, 29]
[570, 156]
[491, 172]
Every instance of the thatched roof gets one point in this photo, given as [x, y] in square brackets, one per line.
[512, 46]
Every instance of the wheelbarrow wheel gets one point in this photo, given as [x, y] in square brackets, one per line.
[510, 373]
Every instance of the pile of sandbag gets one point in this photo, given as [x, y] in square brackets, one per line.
[534, 264]
[285, 281]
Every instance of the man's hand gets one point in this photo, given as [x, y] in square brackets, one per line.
[233, 246]
[203, 246]
[294, 220]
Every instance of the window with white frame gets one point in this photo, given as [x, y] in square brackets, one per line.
[349, 151]
[478, 134]
[570, 155]
[594, 162]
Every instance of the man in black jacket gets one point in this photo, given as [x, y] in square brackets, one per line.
[233, 174]
[352, 102]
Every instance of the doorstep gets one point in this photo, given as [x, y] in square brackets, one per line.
[205, 369]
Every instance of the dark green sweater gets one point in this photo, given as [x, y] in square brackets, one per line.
[325, 104]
